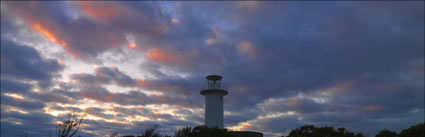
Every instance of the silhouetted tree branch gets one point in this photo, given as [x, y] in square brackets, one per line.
[69, 127]
[150, 132]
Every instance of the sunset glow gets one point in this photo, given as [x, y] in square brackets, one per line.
[52, 37]
[132, 45]
[103, 11]
[126, 66]
[17, 110]
[159, 55]
[16, 96]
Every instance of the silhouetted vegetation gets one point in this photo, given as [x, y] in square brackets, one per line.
[413, 131]
[198, 131]
[203, 131]
[69, 127]
[386, 133]
[304, 131]
[311, 131]
[150, 132]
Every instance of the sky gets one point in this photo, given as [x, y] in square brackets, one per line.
[127, 66]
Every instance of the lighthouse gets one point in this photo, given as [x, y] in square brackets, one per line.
[214, 101]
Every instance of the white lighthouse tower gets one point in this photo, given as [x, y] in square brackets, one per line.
[214, 101]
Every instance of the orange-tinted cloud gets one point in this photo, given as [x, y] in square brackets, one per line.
[294, 102]
[239, 88]
[103, 11]
[211, 41]
[175, 20]
[14, 96]
[246, 126]
[89, 111]
[96, 67]
[249, 7]
[130, 42]
[30, 13]
[160, 55]
[247, 48]
[110, 98]
[142, 83]
[53, 37]
[342, 88]
[132, 45]
[62, 62]
[156, 94]
[241, 126]
[216, 39]
[99, 97]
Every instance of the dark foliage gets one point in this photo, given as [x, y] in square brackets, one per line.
[150, 132]
[311, 131]
[386, 133]
[203, 131]
[413, 131]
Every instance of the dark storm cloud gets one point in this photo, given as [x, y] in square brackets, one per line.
[190, 116]
[321, 58]
[111, 75]
[8, 85]
[23, 104]
[136, 97]
[25, 63]
[98, 112]
[173, 88]
[73, 109]
[106, 75]
[33, 100]
[293, 104]
[399, 98]
[52, 97]
[238, 116]
[21, 63]
[34, 123]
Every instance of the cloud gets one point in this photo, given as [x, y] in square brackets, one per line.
[111, 75]
[25, 63]
[30, 123]
[292, 104]
[348, 64]
[247, 48]
[105, 75]
[72, 33]
[104, 11]
[275, 125]
[23, 104]
[14, 86]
